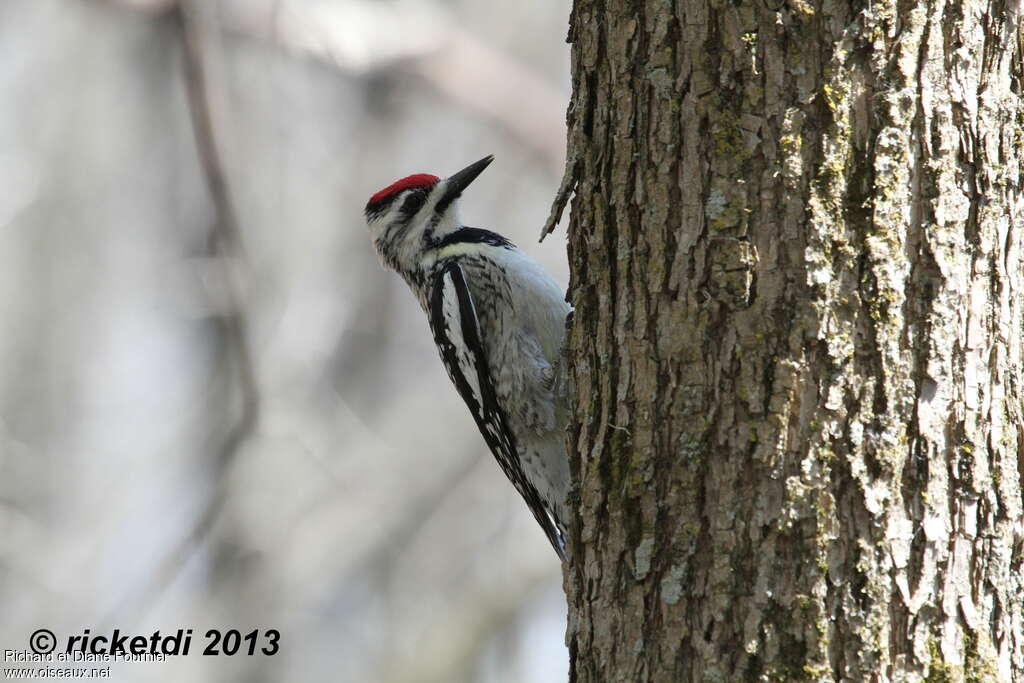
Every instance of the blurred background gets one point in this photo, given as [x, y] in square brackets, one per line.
[217, 410]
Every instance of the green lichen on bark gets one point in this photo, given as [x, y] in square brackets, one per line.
[797, 349]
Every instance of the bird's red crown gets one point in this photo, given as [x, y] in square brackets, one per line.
[417, 180]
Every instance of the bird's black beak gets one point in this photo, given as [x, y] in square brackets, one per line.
[458, 182]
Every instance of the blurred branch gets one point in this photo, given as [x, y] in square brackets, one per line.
[224, 246]
[361, 37]
[156, 6]
[481, 78]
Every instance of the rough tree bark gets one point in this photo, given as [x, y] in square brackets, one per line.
[796, 253]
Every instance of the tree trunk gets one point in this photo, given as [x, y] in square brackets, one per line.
[796, 248]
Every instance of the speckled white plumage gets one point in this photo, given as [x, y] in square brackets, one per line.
[498, 319]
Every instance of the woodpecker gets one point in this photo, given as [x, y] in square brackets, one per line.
[498, 320]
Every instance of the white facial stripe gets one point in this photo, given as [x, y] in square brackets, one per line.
[399, 238]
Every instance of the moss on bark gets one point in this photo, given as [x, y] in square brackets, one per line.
[798, 359]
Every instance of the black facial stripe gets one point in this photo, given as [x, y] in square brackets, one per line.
[414, 202]
[443, 203]
[380, 206]
[397, 230]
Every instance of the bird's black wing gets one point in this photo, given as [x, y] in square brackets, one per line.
[456, 329]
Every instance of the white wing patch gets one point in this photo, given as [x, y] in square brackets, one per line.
[452, 317]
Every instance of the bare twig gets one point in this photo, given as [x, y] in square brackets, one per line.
[565, 190]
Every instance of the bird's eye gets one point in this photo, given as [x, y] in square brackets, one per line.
[413, 202]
